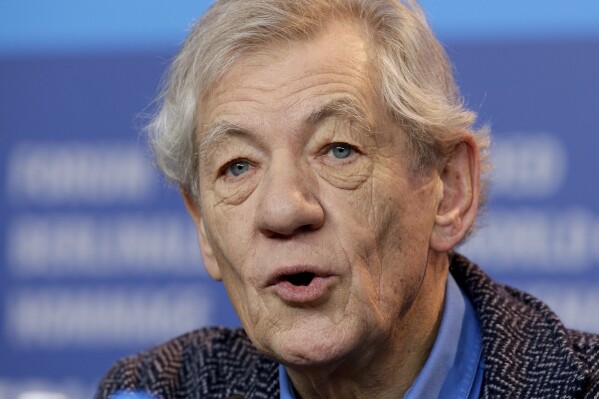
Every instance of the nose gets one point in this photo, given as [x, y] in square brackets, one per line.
[290, 202]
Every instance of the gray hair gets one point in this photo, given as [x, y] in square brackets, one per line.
[416, 77]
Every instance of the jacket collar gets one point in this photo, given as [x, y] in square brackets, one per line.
[525, 346]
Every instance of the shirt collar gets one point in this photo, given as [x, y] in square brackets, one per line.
[285, 384]
[454, 366]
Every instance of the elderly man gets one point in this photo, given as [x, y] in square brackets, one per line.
[330, 167]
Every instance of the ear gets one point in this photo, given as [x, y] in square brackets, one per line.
[205, 248]
[458, 204]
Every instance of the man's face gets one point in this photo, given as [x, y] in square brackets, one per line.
[309, 209]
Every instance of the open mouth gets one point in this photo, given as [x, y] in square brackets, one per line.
[299, 279]
[302, 284]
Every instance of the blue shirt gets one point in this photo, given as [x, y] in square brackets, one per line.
[454, 368]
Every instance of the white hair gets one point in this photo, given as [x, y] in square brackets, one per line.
[415, 75]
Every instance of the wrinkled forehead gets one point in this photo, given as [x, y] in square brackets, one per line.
[301, 80]
[326, 40]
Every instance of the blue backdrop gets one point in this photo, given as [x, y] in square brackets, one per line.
[99, 260]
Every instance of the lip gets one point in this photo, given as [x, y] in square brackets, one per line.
[316, 289]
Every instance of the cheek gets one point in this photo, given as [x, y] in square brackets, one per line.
[230, 224]
[392, 222]
[236, 263]
[359, 224]
[381, 204]
[231, 240]
[402, 207]
[405, 244]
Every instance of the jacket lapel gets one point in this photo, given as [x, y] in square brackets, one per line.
[526, 349]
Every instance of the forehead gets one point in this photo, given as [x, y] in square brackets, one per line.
[282, 77]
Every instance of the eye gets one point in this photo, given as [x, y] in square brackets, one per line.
[238, 167]
[341, 150]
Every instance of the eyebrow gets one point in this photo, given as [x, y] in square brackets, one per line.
[218, 132]
[343, 107]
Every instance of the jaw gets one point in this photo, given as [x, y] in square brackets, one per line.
[321, 365]
[305, 336]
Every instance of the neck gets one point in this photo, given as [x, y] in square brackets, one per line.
[387, 368]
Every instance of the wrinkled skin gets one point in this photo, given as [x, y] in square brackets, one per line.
[291, 186]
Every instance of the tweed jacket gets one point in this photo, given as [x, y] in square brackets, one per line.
[527, 351]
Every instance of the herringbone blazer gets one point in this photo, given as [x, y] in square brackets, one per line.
[527, 351]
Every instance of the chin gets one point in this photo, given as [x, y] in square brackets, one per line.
[310, 346]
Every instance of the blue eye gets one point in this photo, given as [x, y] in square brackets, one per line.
[342, 151]
[238, 168]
